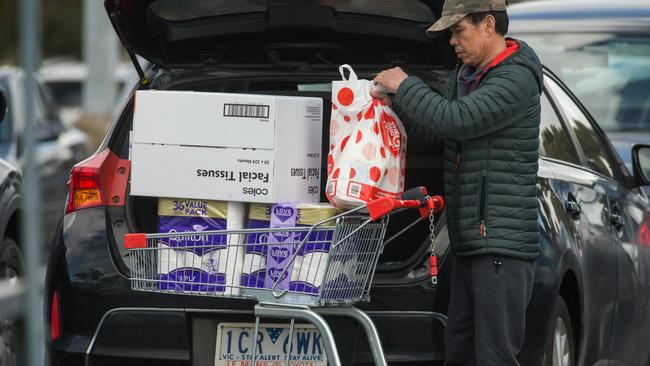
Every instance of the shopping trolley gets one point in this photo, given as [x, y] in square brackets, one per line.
[326, 268]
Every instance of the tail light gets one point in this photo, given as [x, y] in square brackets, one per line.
[98, 181]
[55, 317]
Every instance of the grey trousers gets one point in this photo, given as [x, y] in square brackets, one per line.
[487, 310]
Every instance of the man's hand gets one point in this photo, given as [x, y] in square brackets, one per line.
[390, 80]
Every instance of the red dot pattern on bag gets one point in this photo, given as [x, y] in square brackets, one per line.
[370, 113]
[334, 107]
[359, 116]
[381, 102]
[382, 151]
[375, 101]
[359, 137]
[346, 96]
[376, 129]
[336, 173]
[330, 163]
[375, 174]
[346, 118]
[344, 142]
[353, 173]
[332, 147]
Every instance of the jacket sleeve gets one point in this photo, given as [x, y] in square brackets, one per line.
[499, 101]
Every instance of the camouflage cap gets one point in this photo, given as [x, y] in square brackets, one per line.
[455, 10]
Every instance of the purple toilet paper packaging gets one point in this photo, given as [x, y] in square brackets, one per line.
[254, 270]
[176, 215]
[313, 256]
[180, 267]
[181, 271]
[280, 246]
[268, 253]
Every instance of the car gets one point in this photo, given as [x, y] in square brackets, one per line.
[601, 50]
[591, 287]
[57, 149]
[11, 257]
[65, 78]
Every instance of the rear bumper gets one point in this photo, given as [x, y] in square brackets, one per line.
[187, 337]
[105, 322]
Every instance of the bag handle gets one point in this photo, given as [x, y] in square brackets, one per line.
[353, 76]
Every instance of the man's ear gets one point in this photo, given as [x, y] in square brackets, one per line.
[490, 24]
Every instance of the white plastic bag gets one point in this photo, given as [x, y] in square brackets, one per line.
[367, 158]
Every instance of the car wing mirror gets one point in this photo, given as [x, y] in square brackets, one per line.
[641, 164]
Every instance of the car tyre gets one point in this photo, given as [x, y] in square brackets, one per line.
[11, 268]
[560, 347]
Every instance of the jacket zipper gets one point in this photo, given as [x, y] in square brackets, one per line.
[482, 208]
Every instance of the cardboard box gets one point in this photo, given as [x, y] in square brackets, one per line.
[181, 148]
[212, 119]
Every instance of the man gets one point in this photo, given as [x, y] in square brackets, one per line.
[490, 122]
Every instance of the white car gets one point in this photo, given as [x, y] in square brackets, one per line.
[65, 78]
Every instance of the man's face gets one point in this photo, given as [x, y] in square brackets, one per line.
[470, 41]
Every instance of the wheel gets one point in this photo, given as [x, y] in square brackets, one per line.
[560, 347]
[11, 268]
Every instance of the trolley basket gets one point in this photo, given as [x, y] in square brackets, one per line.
[331, 263]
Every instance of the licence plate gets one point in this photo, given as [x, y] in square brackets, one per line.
[234, 345]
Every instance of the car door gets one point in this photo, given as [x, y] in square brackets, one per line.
[586, 193]
[625, 214]
[629, 216]
[556, 269]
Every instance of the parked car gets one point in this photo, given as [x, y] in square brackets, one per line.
[601, 50]
[592, 282]
[65, 78]
[11, 258]
[58, 146]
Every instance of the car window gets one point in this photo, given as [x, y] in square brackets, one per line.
[609, 73]
[5, 126]
[595, 150]
[40, 112]
[50, 113]
[554, 141]
[66, 93]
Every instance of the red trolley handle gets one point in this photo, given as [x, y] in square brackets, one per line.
[426, 204]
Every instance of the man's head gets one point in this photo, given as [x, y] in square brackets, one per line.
[477, 28]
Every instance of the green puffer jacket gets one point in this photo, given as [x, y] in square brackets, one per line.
[491, 194]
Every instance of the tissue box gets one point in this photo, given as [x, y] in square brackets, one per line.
[266, 253]
[231, 147]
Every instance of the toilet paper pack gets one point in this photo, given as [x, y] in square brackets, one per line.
[267, 254]
[254, 270]
[197, 261]
[179, 257]
[181, 271]
[177, 215]
[307, 271]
